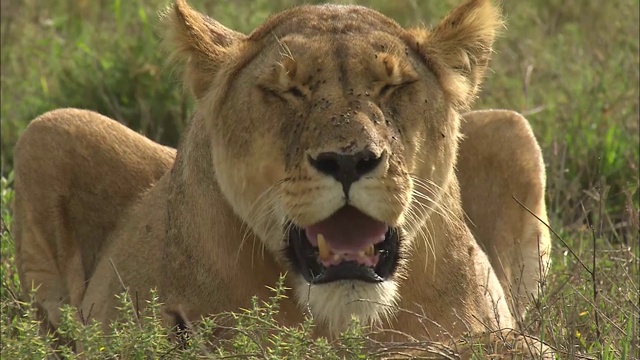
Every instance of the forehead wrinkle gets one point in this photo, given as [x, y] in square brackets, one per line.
[299, 46]
[341, 54]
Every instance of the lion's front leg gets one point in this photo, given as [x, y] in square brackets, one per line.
[500, 162]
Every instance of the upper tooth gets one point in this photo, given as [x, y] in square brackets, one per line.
[369, 250]
[323, 248]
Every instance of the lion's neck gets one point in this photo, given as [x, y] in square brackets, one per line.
[431, 278]
[209, 246]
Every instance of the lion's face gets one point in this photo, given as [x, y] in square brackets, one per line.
[332, 138]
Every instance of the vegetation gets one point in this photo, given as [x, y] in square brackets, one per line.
[571, 66]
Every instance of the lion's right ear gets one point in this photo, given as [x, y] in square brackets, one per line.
[201, 42]
[459, 48]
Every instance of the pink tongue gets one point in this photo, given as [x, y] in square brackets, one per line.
[348, 230]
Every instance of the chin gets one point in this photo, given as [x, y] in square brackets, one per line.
[334, 304]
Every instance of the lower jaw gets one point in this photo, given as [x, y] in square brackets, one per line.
[349, 271]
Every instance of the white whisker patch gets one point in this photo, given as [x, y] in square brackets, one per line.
[335, 304]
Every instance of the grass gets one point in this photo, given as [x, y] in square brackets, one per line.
[571, 66]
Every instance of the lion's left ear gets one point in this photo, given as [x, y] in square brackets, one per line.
[459, 48]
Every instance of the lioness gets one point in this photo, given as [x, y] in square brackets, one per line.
[329, 145]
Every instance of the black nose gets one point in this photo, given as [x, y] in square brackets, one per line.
[346, 168]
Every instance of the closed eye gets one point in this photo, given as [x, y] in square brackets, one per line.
[297, 93]
[389, 88]
[284, 95]
[386, 89]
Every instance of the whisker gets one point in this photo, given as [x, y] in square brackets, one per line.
[261, 210]
[446, 212]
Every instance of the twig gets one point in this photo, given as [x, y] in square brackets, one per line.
[126, 292]
[593, 277]
[554, 233]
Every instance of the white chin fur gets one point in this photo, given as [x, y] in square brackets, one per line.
[334, 304]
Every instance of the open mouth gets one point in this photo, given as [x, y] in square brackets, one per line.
[348, 245]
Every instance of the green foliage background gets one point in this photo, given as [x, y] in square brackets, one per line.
[571, 66]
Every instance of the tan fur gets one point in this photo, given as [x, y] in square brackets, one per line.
[75, 172]
[99, 207]
[499, 147]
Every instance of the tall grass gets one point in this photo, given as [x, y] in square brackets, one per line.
[571, 66]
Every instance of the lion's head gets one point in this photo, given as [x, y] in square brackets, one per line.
[334, 133]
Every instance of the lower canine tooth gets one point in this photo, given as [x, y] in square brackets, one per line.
[323, 248]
